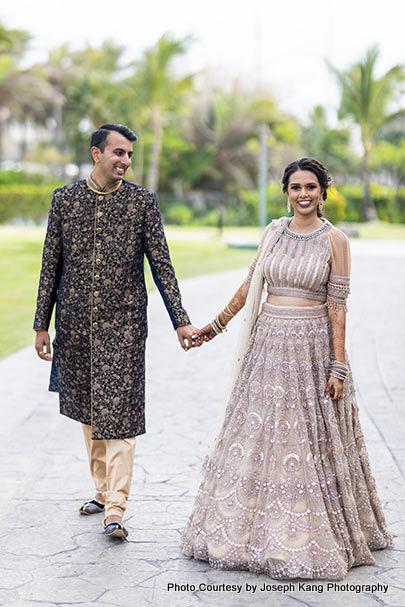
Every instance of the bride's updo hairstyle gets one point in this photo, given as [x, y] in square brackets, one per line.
[313, 165]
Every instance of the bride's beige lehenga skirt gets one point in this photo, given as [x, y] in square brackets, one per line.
[288, 490]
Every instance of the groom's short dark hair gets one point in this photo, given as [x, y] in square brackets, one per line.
[99, 137]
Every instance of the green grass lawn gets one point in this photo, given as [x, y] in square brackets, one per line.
[20, 262]
[382, 231]
[194, 251]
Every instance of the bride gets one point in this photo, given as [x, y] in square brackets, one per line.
[287, 488]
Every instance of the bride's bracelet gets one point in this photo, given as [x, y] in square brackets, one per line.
[338, 369]
[229, 313]
[217, 326]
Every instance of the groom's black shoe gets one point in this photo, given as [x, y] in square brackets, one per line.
[91, 507]
[115, 529]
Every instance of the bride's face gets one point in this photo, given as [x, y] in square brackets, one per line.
[304, 192]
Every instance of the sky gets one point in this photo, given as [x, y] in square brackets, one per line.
[279, 46]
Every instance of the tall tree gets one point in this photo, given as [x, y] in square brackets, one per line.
[13, 42]
[368, 100]
[23, 92]
[223, 128]
[159, 91]
[330, 145]
[85, 88]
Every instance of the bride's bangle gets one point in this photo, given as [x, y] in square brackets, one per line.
[338, 369]
[217, 326]
[229, 313]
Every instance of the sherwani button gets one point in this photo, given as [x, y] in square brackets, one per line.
[98, 261]
[98, 245]
[95, 325]
[95, 309]
[98, 230]
[100, 197]
[97, 277]
[96, 293]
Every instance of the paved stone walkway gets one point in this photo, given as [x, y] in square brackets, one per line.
[50, 555]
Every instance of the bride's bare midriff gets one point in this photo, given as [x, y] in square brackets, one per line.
[283, 300]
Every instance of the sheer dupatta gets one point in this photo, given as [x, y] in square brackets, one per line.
[250, 311]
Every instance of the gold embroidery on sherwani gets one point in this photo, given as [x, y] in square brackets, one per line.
[92, 269]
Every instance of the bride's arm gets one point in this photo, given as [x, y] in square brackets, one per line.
[237, 302]
[231, 309]
[337, 291]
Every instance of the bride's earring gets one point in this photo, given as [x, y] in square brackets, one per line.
[320, 204]
[288, 206]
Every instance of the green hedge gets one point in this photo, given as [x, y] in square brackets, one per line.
[30, 202]
[26, 202]
[390, 204]
[400, 204]
[18, 177]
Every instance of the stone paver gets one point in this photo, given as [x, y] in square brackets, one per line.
[50, 555]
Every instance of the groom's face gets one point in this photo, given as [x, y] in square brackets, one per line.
[115, 159]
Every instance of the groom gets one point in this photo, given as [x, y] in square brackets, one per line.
[99, 230]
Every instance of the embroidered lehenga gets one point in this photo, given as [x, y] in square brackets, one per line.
[287, 489]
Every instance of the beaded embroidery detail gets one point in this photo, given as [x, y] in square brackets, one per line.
[288, 490]
[307, 236]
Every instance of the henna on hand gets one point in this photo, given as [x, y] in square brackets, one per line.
[235, 304]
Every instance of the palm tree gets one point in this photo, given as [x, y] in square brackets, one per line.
[330, 145]
[223, 128]
[367, 100]
[23, 92]
[13, 41]
[158, 91]
[85, 93]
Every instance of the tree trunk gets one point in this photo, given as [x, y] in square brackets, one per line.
[57, 116]
[369, 211]
[138, 170]
[3, 120]
[153, 172]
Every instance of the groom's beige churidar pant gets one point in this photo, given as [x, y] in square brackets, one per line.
[111, 463]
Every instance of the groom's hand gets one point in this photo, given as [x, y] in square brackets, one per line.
[189, 337]
[42, 340]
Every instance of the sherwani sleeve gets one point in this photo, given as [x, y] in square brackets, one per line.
[157, 252]
[51, 270]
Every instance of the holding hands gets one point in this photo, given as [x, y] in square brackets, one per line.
[189, 337]
[195, 337]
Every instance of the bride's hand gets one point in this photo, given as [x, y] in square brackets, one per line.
[207, 333]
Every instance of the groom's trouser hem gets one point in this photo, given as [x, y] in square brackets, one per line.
[111, 464]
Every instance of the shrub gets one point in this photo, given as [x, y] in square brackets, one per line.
[240, 216]
[335, 206]
[210, 218]
[179, 214]
[276, 201]
[384, 200]
[353, 193]
[400, 204]
[19, 177]
[26, 202]
[389, 205]
[248, 211]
